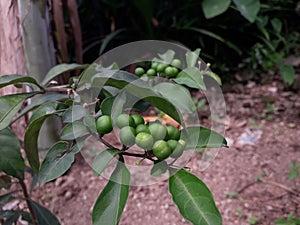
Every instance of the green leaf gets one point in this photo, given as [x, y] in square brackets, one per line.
[45, 109]
[108, 38]
[112, 200]
[6, 80]
[59, 69]
[159, 168]
[215, 36]
[201, 137]
[214, 76]
[277, 25]
[248, 8]
[103, 158]
[9, 106]
[287, 73]
[167, 57]
[43, 215]
[74, 113]
[131, 84]
[193, 198]
[212, 8]
[192, 57]
[73, 131]
[191, 77]
[90, 122]
[31, 141]
[11, 161]
[178, 95]
[57, 161]
[42, 99]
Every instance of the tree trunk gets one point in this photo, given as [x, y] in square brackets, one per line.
[12, 59]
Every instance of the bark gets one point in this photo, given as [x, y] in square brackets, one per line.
[12, 59]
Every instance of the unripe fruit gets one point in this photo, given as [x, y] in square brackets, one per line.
[142, 128]
[172, 133]
[151, 72]
[173, 144]
[161, 67]
[124, 120]
[104, 124]
[127, 136]
[161, 149]
[139, 71]
[137, 119]
[176, 63]
[154, 65]
[144, 140]
[178, 151]
[158, 131]
[170, 72]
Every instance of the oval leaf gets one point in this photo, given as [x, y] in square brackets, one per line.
[202, 137]
[11, 161]
[193, 199]
[6, 80]
[74, 130]
[59, 69]
[31, 142]
[212, 8]
[178, 95]
[103, 158]
[57, 161]
[9, 106]
[248, 8]
[191, 77]
[112, 200]
[74, 113]
[43, 215]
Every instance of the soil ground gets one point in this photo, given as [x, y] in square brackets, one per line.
[247, 181]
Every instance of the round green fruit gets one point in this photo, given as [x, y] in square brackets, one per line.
[173, 144]
[151, 72]
[161, 149]
[154, 65]
[127, 136]
[161, 67]
[172, 133]
[158, 131]
[139, 71]
[104, 124]
[176, 63]
[170, 71]
[144, 140]
[142, 128]
[178, 151]
[124, 120]
[138, 119]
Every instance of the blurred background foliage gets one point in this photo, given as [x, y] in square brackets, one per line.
[234, 35]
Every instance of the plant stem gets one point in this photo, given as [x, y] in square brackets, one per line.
[145, 156]
[28, 201]
[105, 142]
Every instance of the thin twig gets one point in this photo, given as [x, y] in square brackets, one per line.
[138, 155]
[290, 190]
[29, 203]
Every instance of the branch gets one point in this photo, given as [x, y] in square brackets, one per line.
[28, 201]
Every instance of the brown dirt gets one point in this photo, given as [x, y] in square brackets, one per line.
[231, 177]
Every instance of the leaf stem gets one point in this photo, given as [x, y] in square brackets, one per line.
[28, 201]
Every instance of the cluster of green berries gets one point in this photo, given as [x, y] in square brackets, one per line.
[164, 141]
[167, 70]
